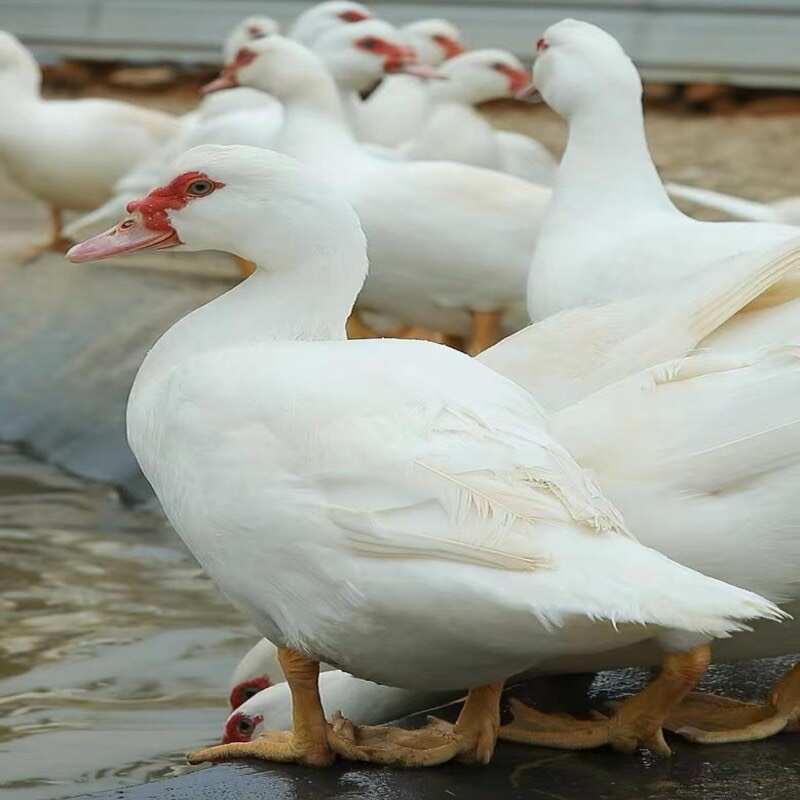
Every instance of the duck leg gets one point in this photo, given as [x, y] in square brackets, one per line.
[358, 329]
[54, 240]
[485, 331]
[710, 719]
[472, 739]
[637, 722]
[246, 268]
[306, 743]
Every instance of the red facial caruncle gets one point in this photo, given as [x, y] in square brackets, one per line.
[174, 196]
[542, 45]
[518, 79]
[394, 56]
[450, 47]
[246, 689]
[352, 15]
[240, 727]
[148, 226]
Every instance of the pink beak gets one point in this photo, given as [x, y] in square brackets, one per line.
[128, 236]
[530, 94]
[227, 80]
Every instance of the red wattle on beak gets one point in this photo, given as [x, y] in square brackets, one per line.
[128, 236]
[450, 47]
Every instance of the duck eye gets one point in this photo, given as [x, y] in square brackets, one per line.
[244, 725]
[127, 224]
[369, 43]
[499, 66]
[200, 188]
[250, 691]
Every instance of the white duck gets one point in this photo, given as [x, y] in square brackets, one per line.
[68, 153]
[456, 131]
[784, 211]
[425, 469]
[681, 448]
[396, 111]
[611, 231]
[456, 260]
[322, 17]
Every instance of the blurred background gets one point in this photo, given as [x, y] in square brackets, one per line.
[115, 650]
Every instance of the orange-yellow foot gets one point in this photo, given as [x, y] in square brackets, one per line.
[623, 732]
[485, 331]
[637, 721]
[306, 743]
[471, 739]
[55, 241]
[357, 329]
[710, 719]
[280, 746]
[246, 268]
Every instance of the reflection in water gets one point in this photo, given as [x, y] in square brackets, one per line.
[115, 650]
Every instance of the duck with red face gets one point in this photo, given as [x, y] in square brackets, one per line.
[321, 18]
[259, 669]
[456, 131]
[399, 107]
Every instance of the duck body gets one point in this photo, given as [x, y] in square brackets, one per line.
[344, 597]
[337, 490]
[70, 153]
[456, 132]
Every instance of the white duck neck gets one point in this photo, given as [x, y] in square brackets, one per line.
[20, 84]
[306, 297]
[315, 127]
[607, 160]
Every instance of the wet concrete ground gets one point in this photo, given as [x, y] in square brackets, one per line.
[767, 770]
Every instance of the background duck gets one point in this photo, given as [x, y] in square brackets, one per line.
[454, 129]
[68, 153]
[399, 107]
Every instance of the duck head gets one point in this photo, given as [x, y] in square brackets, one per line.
[248, 201]
[581, 67]
[482, 75]
[321, 18]
[242, 727]
[248, 30]
[361, 54]
[434, 40]
[258, 670]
